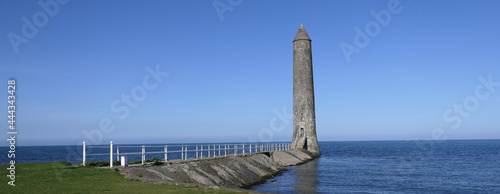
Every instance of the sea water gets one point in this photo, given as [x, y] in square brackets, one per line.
[453, 166]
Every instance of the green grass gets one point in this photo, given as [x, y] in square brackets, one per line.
[63, 177]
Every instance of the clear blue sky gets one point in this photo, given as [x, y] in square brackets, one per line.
[229, 75]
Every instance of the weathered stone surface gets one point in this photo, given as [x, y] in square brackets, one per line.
[304, 119]
[292, 157]
[231, 172]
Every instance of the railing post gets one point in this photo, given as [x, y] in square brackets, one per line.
[250, 148]
[243, 149]
[214, 150]
[166, 152]
[219, 149]
[225, 150]
[235, 149]
[201, 152]
[196, 151]
[84, 155]
[182, 152]
[208, 147]
[117, 153]
[186, 155]
[143, 154]
[111, 154]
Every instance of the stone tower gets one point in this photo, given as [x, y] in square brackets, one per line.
[304, 119]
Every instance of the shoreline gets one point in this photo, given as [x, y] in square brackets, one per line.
[240, 172]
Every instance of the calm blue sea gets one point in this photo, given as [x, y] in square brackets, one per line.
[452, 166]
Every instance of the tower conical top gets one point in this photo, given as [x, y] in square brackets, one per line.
[302, 34]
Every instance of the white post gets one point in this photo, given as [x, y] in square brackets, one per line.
[214, 150]
[243, 149]
[186, 155]
[111, 154]
[225, 150]
[166, 153]
[196, 151]
[143, 154]
[117, 153]
[182, 152]
[208, 147]
[235, 149]
[219, 149]
[250, 149]
[84, 155]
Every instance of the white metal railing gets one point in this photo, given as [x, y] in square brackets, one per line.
[184, 151]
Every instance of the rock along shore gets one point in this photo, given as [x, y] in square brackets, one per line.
[232, 171]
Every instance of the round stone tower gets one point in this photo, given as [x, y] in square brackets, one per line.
[304, 119]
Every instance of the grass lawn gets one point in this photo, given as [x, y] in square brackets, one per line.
[62, 177]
